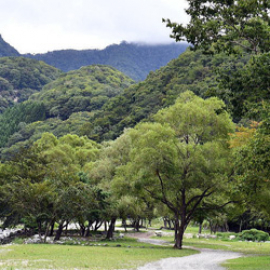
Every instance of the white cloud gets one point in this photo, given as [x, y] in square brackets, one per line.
[44, 25]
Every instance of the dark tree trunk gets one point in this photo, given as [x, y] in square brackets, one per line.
[240, 226]
[66, 228]
[179, 233]
[111, 228]
[52, 228]
[40, 230]
[165, 223]
[59, 231]
[124, 224]
[82, 229]
[98, 224]
[137, 224]
[87, 232]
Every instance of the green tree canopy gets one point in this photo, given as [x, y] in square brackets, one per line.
[182, 157]
[226, 25]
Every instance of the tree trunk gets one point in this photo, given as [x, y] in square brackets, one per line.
[59, 231]
[47, 231]
[52, 228]
[180, 228]
[200, 228]
[111, 228]
[40, 230]
[165, 223]
[137, 224]
[240, 226]
[87, 232]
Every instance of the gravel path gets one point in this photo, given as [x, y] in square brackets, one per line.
[207, 259]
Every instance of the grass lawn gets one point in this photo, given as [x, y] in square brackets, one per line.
[129, 256]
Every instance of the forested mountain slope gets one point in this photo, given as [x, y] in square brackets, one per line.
[74, 97]
[21, 77]
[192, 71]
[100, 102]
[135, 60]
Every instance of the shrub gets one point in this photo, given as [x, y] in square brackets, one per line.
[254, 235]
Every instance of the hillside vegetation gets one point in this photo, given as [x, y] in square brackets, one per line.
[21, 77]
[75, 97]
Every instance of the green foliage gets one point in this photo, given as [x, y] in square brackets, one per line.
[20, 77]
[254, 235]
[191, 71]
[232, 26]
[87, 89]
[16, 118]
[244, 89]
[42, 184]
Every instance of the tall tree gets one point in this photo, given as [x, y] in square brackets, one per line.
[181, 159]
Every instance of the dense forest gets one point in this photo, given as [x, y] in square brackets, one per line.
[190, 143]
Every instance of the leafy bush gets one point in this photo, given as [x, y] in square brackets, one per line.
[254, 235]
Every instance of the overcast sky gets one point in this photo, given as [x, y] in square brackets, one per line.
[37, 26]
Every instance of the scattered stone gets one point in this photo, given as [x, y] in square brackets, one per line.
[188, 235]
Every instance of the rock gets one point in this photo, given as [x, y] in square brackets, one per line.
[158, 233]
[231, 237]
[188, 235]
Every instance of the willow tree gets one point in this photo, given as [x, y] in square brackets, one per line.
[181, 158]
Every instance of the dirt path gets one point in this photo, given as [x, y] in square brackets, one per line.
[207, 259]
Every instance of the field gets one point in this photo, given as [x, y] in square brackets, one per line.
[129, 255]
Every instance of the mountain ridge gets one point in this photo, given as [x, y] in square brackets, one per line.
[135, 60]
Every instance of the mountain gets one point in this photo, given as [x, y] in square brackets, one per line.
[6, 49]
[134, 60]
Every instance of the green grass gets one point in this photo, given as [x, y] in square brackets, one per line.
[129, 256]
[249, 263]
